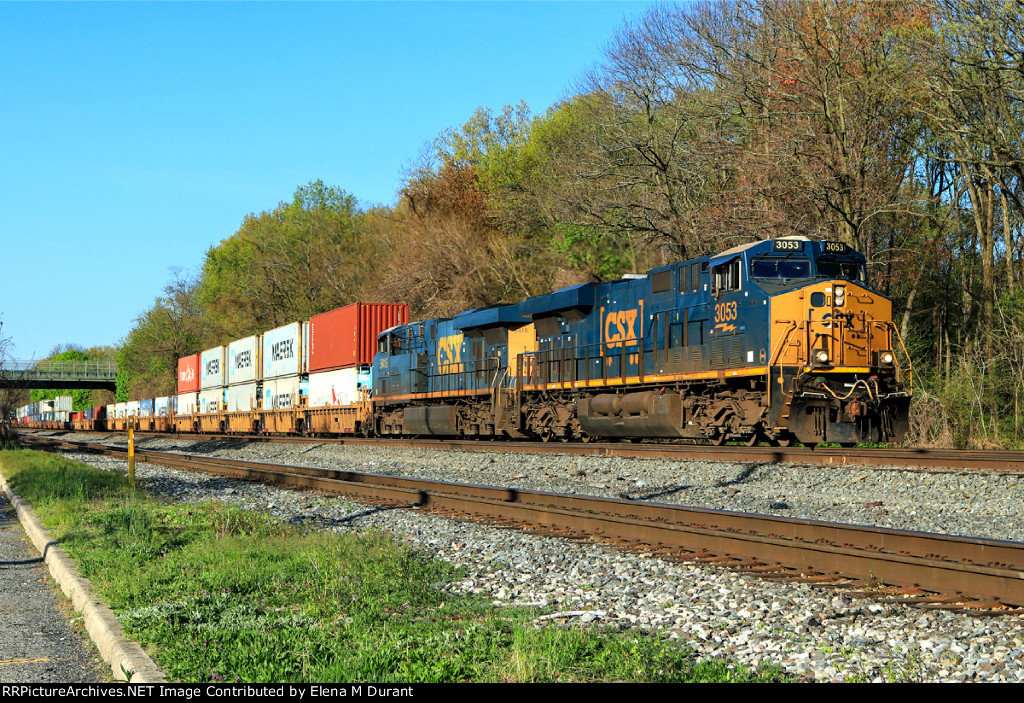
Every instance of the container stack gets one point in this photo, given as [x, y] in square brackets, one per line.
[188, 385]
[162, 407]
[211, 380]
[342, 344]
[285, 364]
[243, 381]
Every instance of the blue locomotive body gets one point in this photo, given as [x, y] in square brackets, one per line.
[777, 340]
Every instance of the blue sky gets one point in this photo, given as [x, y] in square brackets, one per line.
[135, 136]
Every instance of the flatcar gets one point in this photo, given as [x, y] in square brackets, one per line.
[780, 340]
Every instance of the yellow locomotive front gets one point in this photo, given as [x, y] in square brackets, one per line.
[835, 372]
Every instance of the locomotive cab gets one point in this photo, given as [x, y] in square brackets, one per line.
[833, 365]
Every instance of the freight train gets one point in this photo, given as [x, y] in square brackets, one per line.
[781, 340]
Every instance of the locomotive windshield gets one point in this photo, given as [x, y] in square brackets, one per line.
[833, 267]
[784, 267]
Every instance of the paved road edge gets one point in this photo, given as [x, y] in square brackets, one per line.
[128, 661]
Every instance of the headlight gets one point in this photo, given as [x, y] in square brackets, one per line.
[821, 356]
[888, 358]
[840, 295]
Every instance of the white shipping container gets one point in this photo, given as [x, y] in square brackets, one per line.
[339, 387]
[243, 397]
[162, 406]
[282, 393]
[121, 410]
[243, 360]
[132, 409]
[210, 400]
[111, 411]
[284, 351]
[211, 368]
[63, 403]
[188, 403]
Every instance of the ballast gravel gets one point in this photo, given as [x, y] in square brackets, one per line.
[811, 633]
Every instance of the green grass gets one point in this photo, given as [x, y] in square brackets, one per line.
[219, 594]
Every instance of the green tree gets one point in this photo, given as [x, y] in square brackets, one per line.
[81, 398]
[300, 259]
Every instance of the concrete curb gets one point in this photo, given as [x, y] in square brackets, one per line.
[128, 661]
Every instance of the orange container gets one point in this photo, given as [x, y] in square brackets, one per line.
[348, 336]
[188, 374]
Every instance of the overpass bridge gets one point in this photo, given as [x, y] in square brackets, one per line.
[58, 374]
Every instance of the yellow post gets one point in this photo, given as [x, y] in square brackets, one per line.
[131, 456]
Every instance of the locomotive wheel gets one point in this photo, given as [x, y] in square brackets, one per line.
[718, 440]
[752, 440]
[784, 440]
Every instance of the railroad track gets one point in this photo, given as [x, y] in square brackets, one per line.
[922, 569]
[953, 459]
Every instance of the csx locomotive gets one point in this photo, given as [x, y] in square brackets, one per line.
[781, 340]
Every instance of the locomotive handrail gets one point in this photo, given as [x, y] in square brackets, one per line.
[777, 352]
[910, 368]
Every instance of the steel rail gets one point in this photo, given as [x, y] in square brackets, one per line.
[973, 569]
[984, 460]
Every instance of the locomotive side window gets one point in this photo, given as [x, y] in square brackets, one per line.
[726, 277]
[661, 281]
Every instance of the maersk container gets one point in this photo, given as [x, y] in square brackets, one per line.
[161, 406]
[210, 400]
[242, 397]
[243, 361]
[348, 336]
[338, 387]
[282, 393]
[187, 403]
[211, 368]
[188, 374]
[284, 351]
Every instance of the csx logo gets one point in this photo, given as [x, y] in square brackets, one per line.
[449, 350]
[620, 327]
[841, 319]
